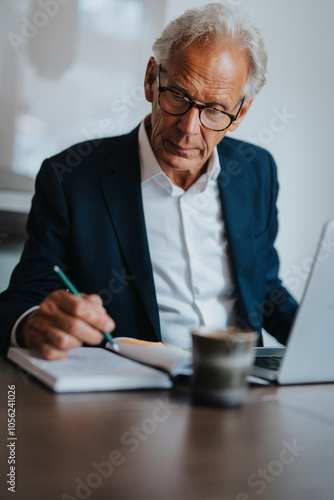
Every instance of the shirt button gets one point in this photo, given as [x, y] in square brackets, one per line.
[196, 290]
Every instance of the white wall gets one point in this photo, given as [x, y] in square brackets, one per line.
[69, 76]
[299, 37]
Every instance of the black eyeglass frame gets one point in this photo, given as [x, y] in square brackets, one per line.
[200, 107]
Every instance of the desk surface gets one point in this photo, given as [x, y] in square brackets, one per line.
[147, 445]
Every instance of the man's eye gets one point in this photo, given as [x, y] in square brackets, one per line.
[177, 97]
[213, 113]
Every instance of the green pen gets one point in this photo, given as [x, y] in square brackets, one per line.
[76, 292]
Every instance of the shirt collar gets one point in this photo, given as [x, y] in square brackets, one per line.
[148, 162]
[150, 168]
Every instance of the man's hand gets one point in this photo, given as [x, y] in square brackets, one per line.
[63, 322]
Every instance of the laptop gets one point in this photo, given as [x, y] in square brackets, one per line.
[308, 356]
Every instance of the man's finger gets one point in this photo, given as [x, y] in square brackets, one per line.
[88, 309]
[38, 344]
[61, 340]
[95, 299]
[69, 326]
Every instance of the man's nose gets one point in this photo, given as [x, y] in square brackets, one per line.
[189, 123]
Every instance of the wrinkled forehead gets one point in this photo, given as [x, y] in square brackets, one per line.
[206, 72]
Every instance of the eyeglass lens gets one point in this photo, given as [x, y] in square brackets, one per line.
[177, 104]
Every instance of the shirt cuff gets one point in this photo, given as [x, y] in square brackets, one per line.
[13, 341]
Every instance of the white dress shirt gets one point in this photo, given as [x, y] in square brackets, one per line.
[188, 249]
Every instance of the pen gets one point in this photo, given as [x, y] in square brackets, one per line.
[76, 292]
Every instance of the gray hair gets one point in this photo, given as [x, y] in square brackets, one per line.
[212, 21]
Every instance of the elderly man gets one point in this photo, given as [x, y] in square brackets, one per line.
[168, 227]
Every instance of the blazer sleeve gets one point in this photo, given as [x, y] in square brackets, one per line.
[48, 232]
[279, 307]
[249, 202]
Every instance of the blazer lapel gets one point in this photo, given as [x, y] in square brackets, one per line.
[234, 194]
[122, 192]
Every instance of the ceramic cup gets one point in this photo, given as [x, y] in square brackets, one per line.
[221, 360]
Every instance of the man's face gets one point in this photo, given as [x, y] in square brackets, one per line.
[207, 75]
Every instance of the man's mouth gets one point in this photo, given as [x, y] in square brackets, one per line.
[184, 151]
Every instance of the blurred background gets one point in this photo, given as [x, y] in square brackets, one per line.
[73, 69]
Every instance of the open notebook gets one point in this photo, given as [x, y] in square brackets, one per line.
[93, 369]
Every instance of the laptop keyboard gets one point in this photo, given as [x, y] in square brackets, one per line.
[269, 362]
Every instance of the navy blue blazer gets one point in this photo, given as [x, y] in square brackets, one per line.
[87, 217]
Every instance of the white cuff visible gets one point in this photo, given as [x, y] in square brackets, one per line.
[13, 341]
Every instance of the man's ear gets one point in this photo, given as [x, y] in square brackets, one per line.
[150, 78]
[243, 112]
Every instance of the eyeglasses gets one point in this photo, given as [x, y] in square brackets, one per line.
[176, 104]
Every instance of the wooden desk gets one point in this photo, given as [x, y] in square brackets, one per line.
[155, 445]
